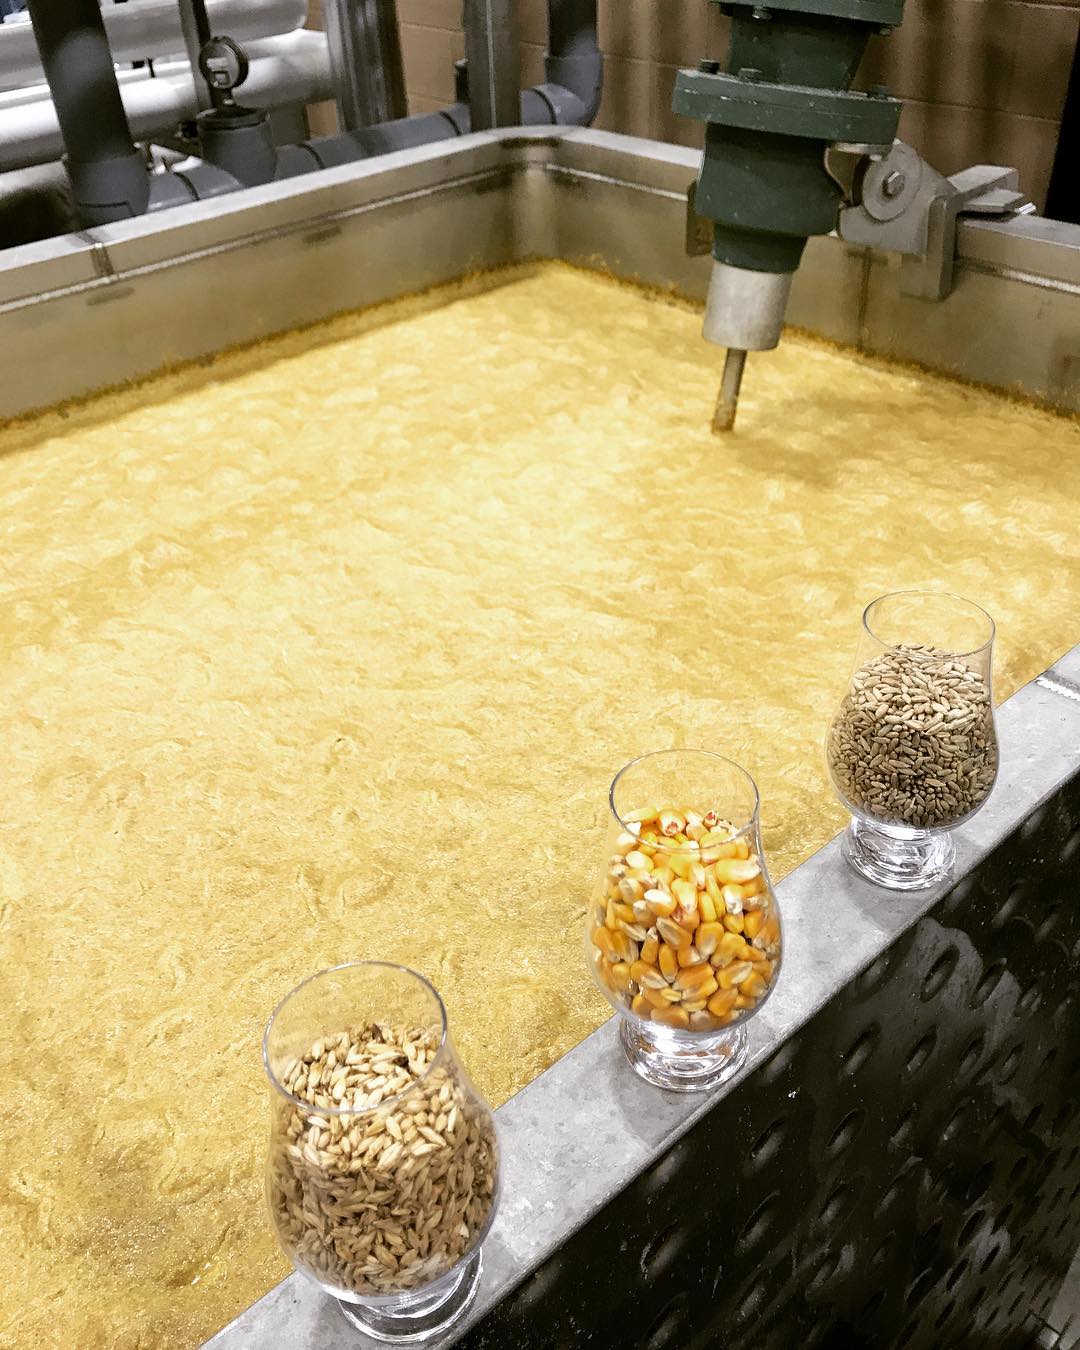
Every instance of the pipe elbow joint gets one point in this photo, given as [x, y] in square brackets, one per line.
[110, 189]
[573, 87]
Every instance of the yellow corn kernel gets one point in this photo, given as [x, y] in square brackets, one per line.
[606, 979]
[755, 954]
[639, 817]
[626, 949]
[623, 913]
[742, 849]
[668, 962]
[650, 950]
[660, 902]
[641, 1005]
[754, 887]
[685, 892]
[662, 875]
[639, 861]
[752, 923]
[672, 1017]
[689, 956]
[672, 934]
[714, 889]
[754, 987]
[680, 864]
[706, 906]
[733, 923]
[610, 921]
[639, 970]
[765, 970]
[648, 840]
[741, 1001]
[732, 899]
[695, 832]
[703, 1021]
[729, 870]
[707, 938]
[693, 977]
[671, 823]
[770, 933]
[722, 1002]
[663, 998]
[601, 939]
[734, 974]
[719, 839]
[693, 1005]
[730, 947]
[692, 922]
[620, 976]
[630, 889]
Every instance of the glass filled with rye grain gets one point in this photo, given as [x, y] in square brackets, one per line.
[383, 1168]
[682, 932]
[912, 750]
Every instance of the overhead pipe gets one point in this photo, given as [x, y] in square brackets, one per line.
[570, 96]
[142, 29]
[109, 177]
[292, 69]
[87, 86]
[573, 64]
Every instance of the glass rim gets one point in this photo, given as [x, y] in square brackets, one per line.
[310, 1107]
[671, 846]
[931, 595]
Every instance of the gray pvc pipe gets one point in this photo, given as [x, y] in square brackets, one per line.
[109, 178]
[573, 58]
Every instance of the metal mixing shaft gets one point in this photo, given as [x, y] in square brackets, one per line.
[727, 402]
[744, 312]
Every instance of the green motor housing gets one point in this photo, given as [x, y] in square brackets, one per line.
[782, 100]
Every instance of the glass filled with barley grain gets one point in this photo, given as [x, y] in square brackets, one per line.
[912, 750]
[383, 1168]
[682, 932]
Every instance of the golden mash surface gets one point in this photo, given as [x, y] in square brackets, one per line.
[330, 650]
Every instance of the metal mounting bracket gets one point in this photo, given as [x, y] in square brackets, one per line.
[903, 205]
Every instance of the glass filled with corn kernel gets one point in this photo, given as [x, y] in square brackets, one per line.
[683, 932]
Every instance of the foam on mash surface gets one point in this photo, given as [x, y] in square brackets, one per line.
[330, 650]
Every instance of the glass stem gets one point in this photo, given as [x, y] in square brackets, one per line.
[898, 857]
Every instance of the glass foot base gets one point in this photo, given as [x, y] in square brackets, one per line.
[671, 1060]
[418, 1316]
[898, 858]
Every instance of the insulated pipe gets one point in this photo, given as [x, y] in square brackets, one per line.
[151, 28]
[289, 70]
[109, 179]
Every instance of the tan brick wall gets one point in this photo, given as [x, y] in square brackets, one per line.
[983, 80]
